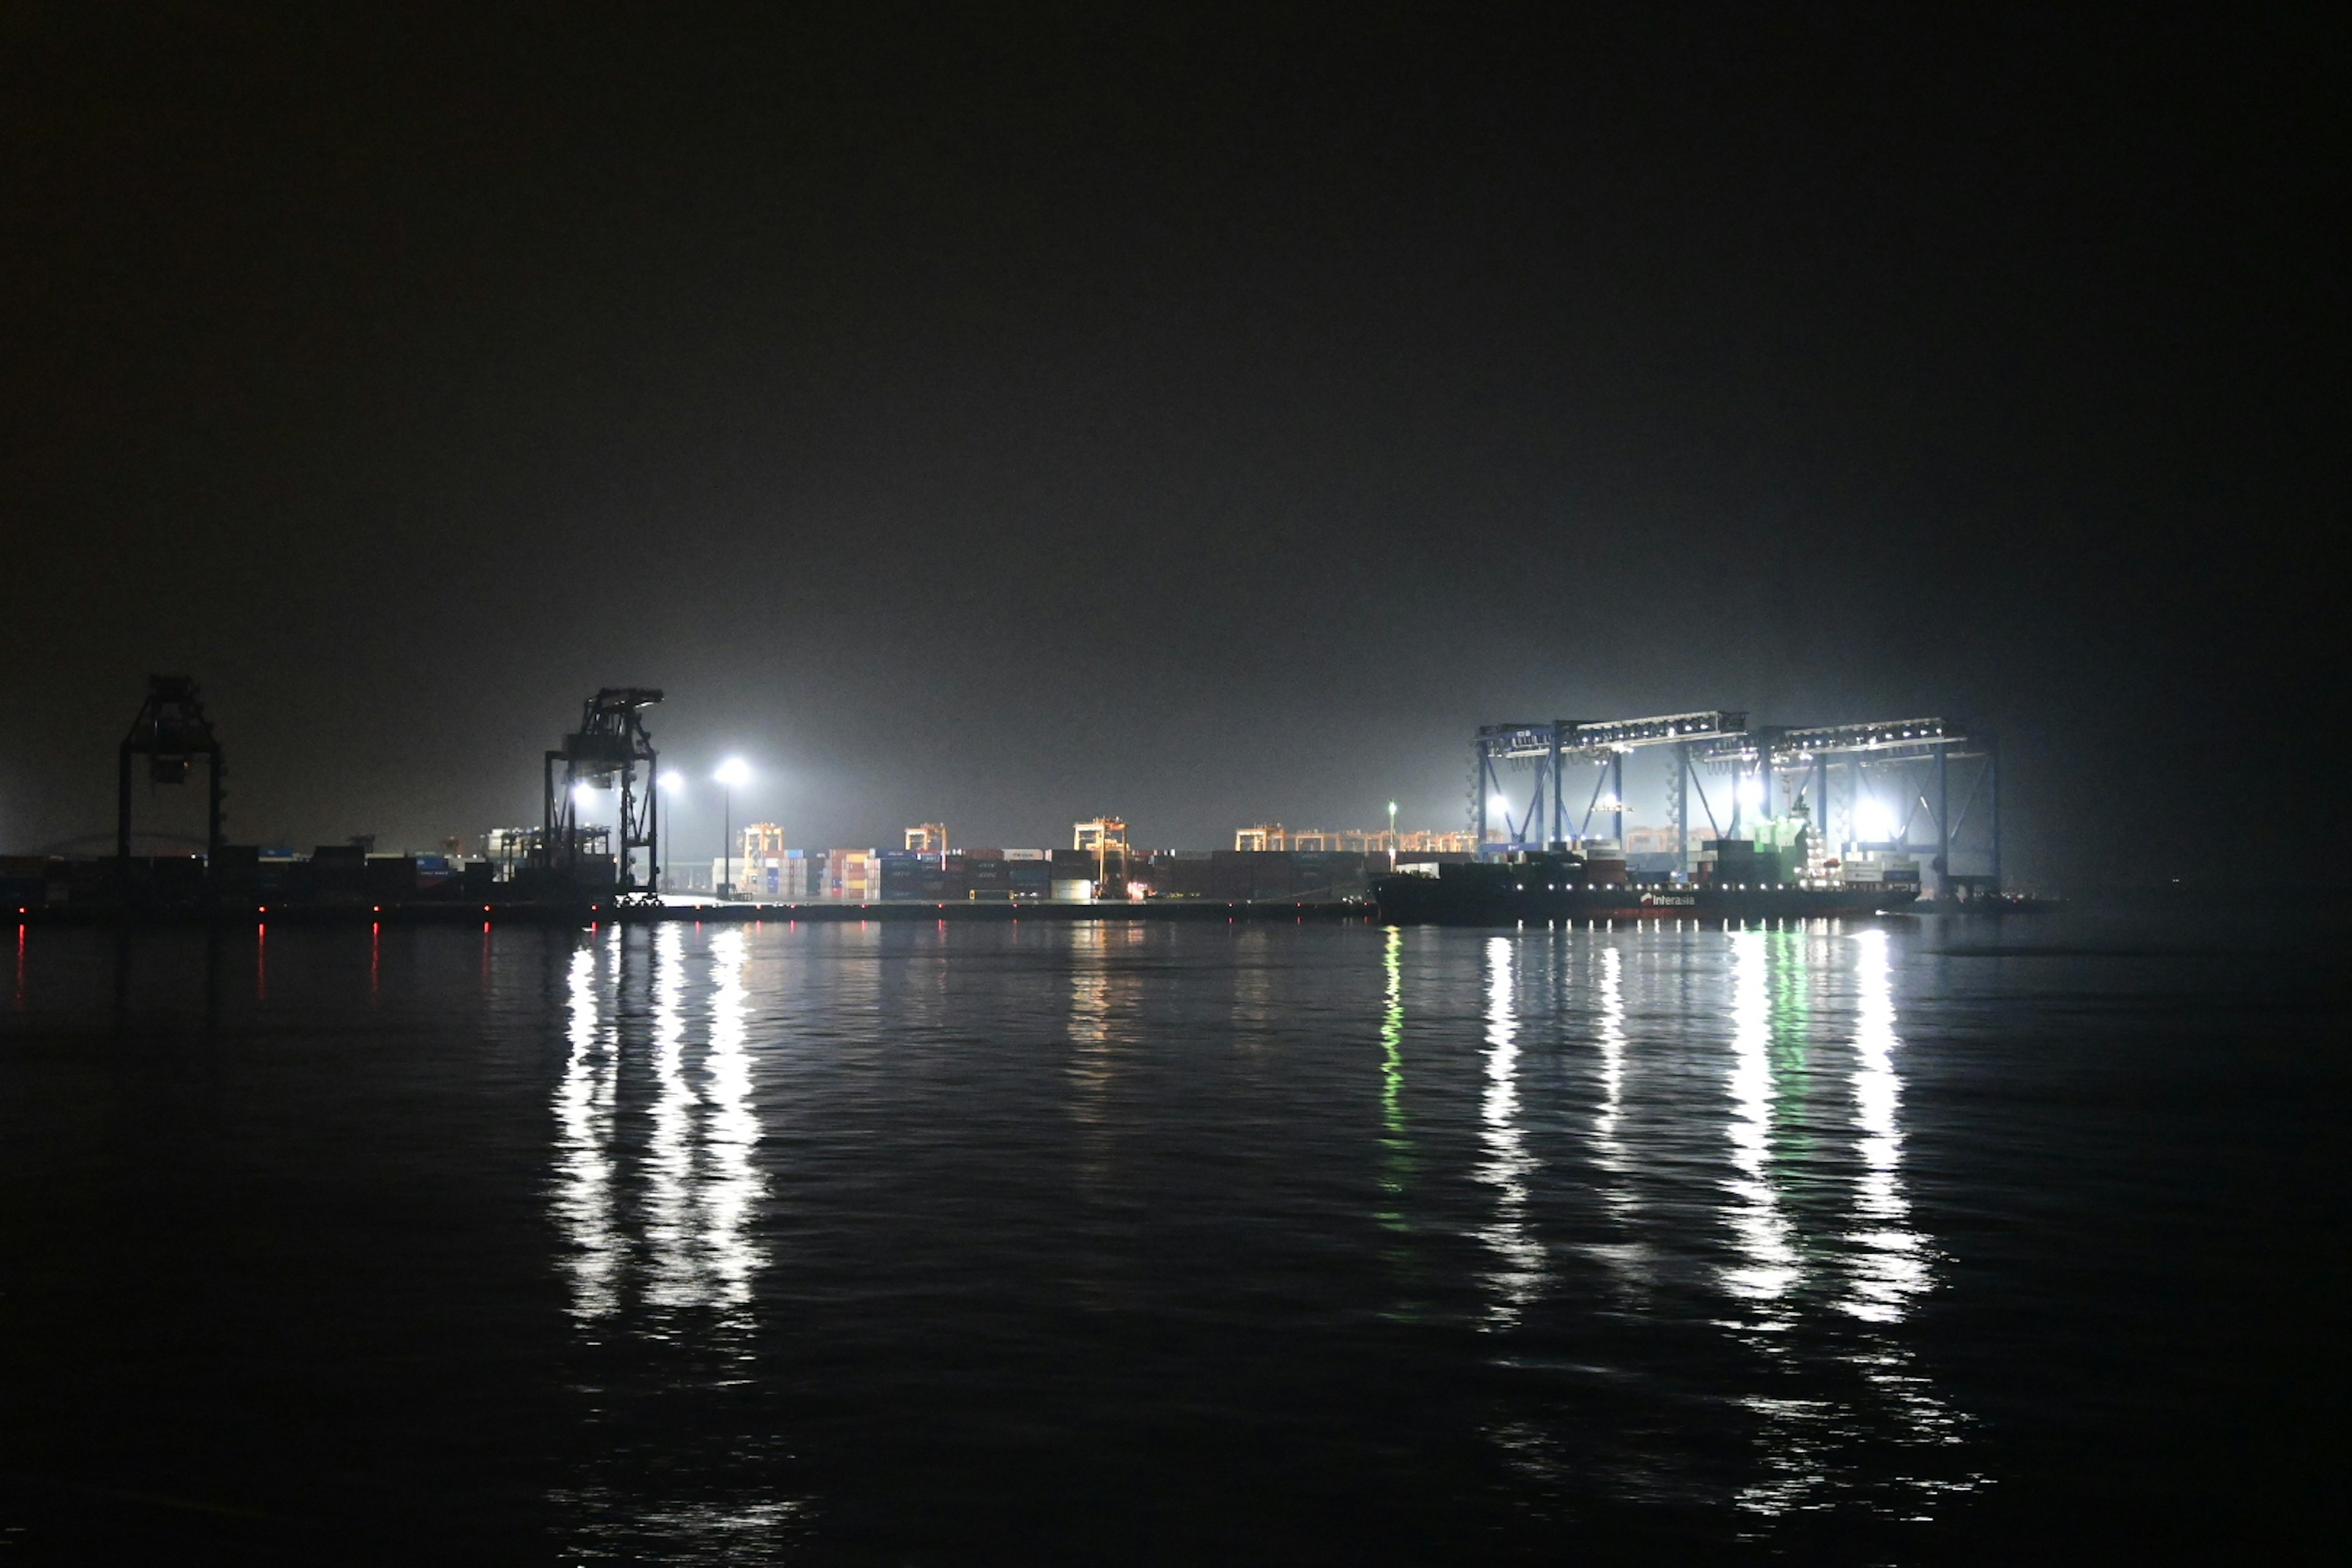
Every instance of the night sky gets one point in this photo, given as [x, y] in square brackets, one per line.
[1203, 414]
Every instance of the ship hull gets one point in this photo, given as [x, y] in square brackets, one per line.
[1431, 900]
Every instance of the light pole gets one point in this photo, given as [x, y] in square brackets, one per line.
[734, 771]
[1392, 837]
[671, 783]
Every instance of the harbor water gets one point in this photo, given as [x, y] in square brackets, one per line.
[1905, 1240]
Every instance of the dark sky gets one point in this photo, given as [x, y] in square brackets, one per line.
[1010, 414]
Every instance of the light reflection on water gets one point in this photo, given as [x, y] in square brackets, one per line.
[584, 1113]
[1821, 1260]
[1892, 1261]
[734, 1189]
[1278, 1243]
[676, 1278]
[1562, 1114]
[689, 1280]
[1507, 1166]
[1765, 1266]
[1396, 1139]
[1621, 1249]
[1100, 995]
[1890, 1266]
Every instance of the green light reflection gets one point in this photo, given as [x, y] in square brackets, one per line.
[1398, 1164]
[1794, 1144]
[1396, 1144]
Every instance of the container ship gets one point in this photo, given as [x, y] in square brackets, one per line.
[1736, 879]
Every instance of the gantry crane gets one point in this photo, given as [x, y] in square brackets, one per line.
[604, 752]
[171, 731]
[1722, 740]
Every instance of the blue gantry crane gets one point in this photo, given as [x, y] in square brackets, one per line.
[1873, 786]
[1555, 749]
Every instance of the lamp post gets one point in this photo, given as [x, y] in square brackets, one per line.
[670, 782]
[1392, 837]
[731, 773]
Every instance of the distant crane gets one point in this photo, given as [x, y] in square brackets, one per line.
[1770, 759]
[605, 750]
[171, 731]
[1555, 747]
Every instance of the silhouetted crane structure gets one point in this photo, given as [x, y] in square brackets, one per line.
[602, 753]
[171, 732]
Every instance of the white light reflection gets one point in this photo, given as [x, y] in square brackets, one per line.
[583, 1108]
[694, 1266]
[1608, 1147]
[702, 1190]
[1767, 1269]
[1629, 1256]
[734, 1189]
[1507, 1164]
[1891, 1266]
[676, 1273]
[1850, 1281]
[1891, 1260]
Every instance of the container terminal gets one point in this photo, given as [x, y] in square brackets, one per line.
[1751, 821]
